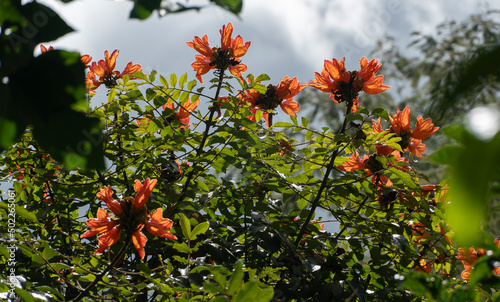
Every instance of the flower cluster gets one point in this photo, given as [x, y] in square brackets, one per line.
[280, 95]
[469, 256]
[372, 165]
[344, 86]
[411, 138]
[225, 57]
[105, 70]
[130, 216]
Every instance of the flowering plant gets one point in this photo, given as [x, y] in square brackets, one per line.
[252, 207]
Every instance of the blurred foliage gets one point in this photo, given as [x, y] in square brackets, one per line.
[454, 69]
[25, 100]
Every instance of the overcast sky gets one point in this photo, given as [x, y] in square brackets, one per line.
[289, 37]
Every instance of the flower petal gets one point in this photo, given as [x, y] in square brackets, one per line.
[108, 239]
[143, 192]
[139, 240]
[424, 129]
[106, 195]
[225, 38]
[159, 226]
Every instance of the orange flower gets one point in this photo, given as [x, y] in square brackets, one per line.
[372, 84]
[469, 257]
[371, 165]
[86, 60]
[105, 70]
[344, 86]
[424, 266]
[281, 95]
[411, 139]
[131, 216]
[227, 56]
[183, 111]
[44, 49]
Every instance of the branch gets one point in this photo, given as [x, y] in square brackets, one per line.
[322, 187]
[110, 266]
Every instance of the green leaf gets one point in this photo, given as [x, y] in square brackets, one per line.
[304, 121]
[248, 292]
[404, 176]
[214, 289]
[143, 8]
[258, 115]
[60, 266]
[381, 113]
[220, 299]
[173, 79]
[262, 77]
[264, 295]
[353, 117]
[191, 85]
[63, 72]
[308, 135]
[233, 6]
[250, 137]
[236, 278]
[26, 214]
[260, 88]
[472, 173]
[185, 226]
[152, 76]
[163, 287]
[50, 290]
[199, 229]
[150, 94]
[49, 253]
[11, 131]
[163, 81]
[184, 97]
[282, 125]
[183, 80]
[27, 297]
[181, 247]
[139, 75]
[400, 241]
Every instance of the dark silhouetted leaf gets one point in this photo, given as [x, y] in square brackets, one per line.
[233, 6]
[144, 8]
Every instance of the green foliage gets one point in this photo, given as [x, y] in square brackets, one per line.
[233, 192]
[239, 198]
[455, 69]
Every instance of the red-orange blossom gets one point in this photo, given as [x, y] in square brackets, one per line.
[131, 216]
[227, 56]
[345, 85]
